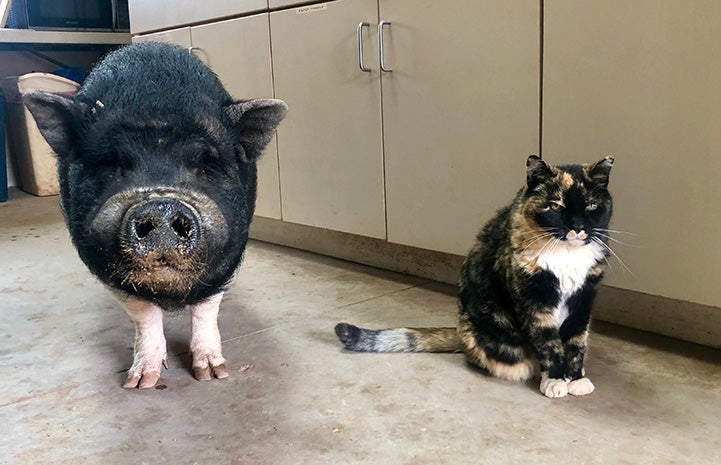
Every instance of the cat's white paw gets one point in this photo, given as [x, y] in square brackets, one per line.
[554, 387]
[580, 387]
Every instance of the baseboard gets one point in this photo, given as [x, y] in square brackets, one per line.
[687, 321]
[437, 266]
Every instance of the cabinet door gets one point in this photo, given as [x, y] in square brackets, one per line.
[640, 80]
[180, 36]
[148, 15]
[239, 52]
[460, 114]
[329, 146]
[274, 4]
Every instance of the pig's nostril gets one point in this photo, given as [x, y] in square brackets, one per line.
[157, 226]
[143, 228]
[182, 227]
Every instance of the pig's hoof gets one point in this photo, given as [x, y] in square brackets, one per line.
[207, 365]
[144, 374]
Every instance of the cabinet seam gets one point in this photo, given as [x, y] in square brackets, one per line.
[540, 78]
[277, 144]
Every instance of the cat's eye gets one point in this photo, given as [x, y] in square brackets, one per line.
[591, 207]
[556, 207]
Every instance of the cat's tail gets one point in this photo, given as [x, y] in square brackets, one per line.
[399, 339]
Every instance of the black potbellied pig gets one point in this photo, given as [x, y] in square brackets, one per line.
[157, 170]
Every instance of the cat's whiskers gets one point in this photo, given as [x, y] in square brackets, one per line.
[556, 243]
[546, 232]
[543, 229]
[553, 231]
[548, 245]
[607, 247]
[614, 231]
[605, 256]
[539, 233]
[606, 236]
[535, 239]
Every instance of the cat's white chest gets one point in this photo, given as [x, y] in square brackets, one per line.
[570, 264]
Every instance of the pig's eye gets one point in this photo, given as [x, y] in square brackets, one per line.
[114, 164]
[209, 156]
[208, 163]
[125, 167]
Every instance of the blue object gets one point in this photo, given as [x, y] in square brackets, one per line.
[75, 73]
[3, 161]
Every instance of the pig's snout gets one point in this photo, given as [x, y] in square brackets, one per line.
[161, 230]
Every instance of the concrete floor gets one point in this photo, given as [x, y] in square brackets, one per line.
[294, 396]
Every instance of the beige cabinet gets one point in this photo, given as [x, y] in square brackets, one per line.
[238, 51]
[330, 145]
[460, 114]
[640, 80]
[179, 36]
[273, 4]
[150, 15]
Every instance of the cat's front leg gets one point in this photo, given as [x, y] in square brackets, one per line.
[546, 341]
[575, 349]
[574, 334]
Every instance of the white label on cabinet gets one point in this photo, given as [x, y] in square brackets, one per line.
[311, 8]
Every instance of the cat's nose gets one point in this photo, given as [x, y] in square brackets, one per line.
[577, 225]
[572, 234]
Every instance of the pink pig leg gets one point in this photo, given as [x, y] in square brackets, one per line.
[150, 348]
[205, 340]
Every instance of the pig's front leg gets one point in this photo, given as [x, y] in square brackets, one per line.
[150, 348]
[205, 340]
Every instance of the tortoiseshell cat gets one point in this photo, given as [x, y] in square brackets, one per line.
[527, 285]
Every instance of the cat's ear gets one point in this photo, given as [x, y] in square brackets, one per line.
[600, 171]
[537, 172]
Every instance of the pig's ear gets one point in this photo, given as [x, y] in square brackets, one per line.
[255, 122]
[56, 116]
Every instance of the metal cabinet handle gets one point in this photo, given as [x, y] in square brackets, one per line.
[200, 54]
[361, 65]
[380, 45]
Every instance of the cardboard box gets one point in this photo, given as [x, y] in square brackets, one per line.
[32, 156]
[3, 163]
